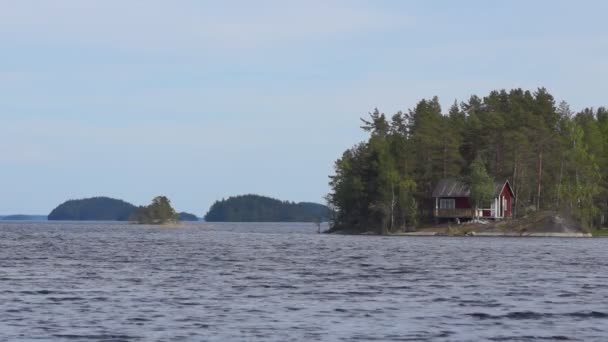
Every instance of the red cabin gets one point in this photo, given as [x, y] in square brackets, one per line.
[452, 201]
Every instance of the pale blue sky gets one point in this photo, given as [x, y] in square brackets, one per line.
[201, 100]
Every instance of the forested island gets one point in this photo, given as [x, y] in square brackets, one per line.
[183, 216]
[110, 209]
[554, 159]
[159, 211]
[255, 208]
[93, 209]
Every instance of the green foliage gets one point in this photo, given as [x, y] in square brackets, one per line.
[580, 178]
[254, 208]
[599, 232]
[552, 157]
[373, 189]
[93, 209]
[158, 212]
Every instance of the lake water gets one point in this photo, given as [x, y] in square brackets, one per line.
[283, 282]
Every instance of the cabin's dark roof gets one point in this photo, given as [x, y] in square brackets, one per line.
[451, 188]
[456, 188]
[499, 187]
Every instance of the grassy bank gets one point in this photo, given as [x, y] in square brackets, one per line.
[601, 232]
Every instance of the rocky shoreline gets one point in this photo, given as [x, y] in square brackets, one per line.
[543, 224]
[498, 234]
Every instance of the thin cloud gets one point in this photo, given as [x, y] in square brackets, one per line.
[160, 25]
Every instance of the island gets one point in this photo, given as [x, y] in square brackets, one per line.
[93, 209]
[256, 208]
[184, 216]
[21, 217]
[159, 212]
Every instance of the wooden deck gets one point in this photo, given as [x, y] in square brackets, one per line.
[453, 213]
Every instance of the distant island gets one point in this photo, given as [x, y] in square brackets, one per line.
[107, 209]
[93, 209]
[23, 218]
[183, 216]
[255, 208]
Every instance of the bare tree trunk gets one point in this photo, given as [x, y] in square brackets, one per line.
[540, 174]
[445, 153]
[603, 215]
[497, 161]
[392, 207]
[561, 177]
[517, 192]
[514, 204]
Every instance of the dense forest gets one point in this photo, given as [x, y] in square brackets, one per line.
[93, 209]
[554, 158]
[254, 208]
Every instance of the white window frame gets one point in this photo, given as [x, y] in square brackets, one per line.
[447, 203]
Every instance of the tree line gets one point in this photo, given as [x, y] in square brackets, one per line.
[554, 158]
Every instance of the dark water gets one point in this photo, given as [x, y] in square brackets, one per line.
[282, 282]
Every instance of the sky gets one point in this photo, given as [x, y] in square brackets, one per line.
[202, 100]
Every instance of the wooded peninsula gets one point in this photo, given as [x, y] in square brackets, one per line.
[554, 159]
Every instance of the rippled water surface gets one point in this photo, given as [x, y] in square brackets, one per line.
[283, 282]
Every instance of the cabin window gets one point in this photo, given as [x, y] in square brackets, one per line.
[447, 203]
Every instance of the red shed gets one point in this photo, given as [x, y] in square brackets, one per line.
[452, 200]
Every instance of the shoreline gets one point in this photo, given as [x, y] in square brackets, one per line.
[542, 224]
[481, 234]
[499, 234]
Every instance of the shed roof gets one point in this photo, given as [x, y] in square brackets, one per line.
[450, 187]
